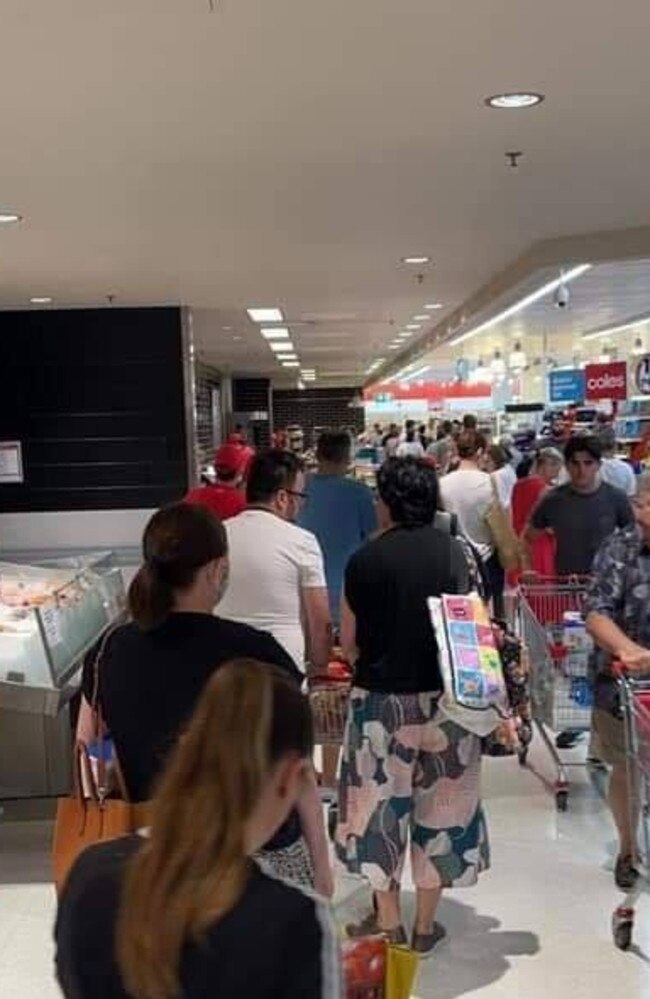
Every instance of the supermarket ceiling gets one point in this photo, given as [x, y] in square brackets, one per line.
[290, 153]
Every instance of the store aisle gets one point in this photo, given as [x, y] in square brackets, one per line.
[536, 926]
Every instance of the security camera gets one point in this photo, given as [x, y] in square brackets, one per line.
[562, 297]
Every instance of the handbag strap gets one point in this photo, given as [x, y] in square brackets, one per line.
[100, 787]
[495, 489]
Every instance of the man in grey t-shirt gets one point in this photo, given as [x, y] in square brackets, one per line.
[582, 512]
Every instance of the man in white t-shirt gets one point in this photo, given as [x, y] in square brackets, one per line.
[612, 469]
[277, 576]
[468, 493]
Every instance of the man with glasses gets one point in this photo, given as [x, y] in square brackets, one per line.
[277, 576]
[618, 618]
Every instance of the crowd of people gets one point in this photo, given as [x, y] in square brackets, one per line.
[244, 586]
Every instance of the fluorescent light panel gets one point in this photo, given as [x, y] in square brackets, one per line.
[642, 321]
[291, 364]
[522, 304]
[417, 374]
[283, 345]
[433, 306]
[287, 357]
[261, 315]
[275, 333]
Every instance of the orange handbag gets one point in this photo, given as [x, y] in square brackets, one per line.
[92, 813]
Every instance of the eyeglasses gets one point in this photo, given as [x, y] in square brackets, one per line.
[293, 492]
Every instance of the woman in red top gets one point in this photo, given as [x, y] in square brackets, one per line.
[526, 494]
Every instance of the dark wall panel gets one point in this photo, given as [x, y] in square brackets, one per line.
[311, 408]
[250, 398]
[96, 396]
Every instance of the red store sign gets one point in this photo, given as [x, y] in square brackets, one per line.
[606, 381]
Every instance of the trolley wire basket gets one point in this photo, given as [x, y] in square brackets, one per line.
[551, 625]
[635, 708]
[329, 699]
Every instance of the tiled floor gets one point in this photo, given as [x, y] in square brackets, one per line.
[537, 926]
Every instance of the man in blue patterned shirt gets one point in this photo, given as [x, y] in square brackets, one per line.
[618, 618]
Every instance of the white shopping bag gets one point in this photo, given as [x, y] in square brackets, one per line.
[474, 688]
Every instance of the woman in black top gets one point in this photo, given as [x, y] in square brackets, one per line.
[183, 910]
[405, 768]
[154, 669]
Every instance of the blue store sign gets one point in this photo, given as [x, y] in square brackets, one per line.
[566, 386]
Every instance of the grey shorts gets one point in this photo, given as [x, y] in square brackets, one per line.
[607, 737]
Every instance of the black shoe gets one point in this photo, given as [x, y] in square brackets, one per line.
[567, 740]
[625, 873]
[424, 944]
[369, 927]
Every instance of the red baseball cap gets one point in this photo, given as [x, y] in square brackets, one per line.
[230, 458]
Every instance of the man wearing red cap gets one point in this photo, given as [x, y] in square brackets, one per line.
[225, 498]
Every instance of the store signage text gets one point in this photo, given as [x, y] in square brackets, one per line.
[566, 386]
[606, 381]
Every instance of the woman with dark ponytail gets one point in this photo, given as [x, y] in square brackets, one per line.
[184, 911]
[155, 668]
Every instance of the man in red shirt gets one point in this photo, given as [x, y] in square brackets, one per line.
[225, 498]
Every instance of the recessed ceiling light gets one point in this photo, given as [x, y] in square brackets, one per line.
[265, 315]
[420, 319]
[433, 306]
[414, 326]
[8, 218]
[394, 346]
[282, 346]
[416, 260]
[291, 364]
[41, 300]
[226, 329]
[287, 357]
[275, 333]
[510, 102]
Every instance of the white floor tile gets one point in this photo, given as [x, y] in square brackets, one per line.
[537, 925]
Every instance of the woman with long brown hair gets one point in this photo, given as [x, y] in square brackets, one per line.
[183, 910]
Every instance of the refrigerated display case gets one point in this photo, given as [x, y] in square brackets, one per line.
[51, 614]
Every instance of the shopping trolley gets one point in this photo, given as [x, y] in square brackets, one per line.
[552, 628]
[329, 696]
[635, 706]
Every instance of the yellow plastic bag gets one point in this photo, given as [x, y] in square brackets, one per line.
[401, 971]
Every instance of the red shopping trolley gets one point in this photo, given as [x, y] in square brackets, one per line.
[551, 625]
[635, 707]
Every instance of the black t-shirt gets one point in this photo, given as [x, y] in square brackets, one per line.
[150, 682]
[387, 585]
[581, 522]
[276, 943]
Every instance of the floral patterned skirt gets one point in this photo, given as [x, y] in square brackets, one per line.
[408, 773]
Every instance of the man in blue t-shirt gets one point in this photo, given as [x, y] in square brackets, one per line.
[342, 515]
[339, 511]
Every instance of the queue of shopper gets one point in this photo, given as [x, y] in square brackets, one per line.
[200, 692]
